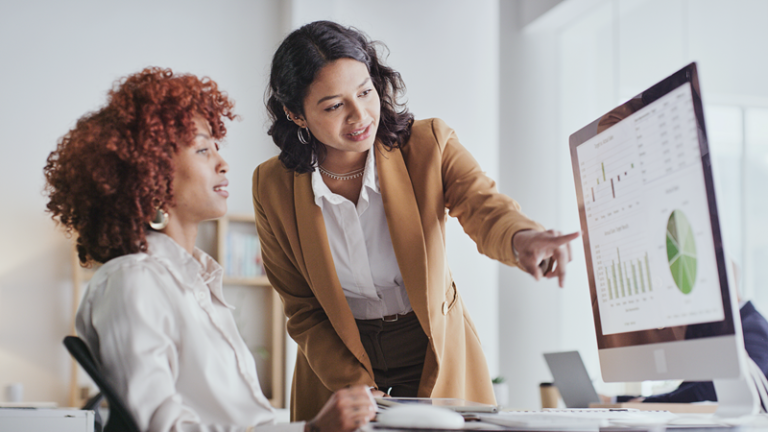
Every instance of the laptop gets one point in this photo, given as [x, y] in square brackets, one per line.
[572, 379]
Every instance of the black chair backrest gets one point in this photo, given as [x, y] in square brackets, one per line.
[120, 419]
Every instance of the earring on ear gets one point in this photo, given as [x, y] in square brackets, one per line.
[160, 221]
[288, 115]
[303, 140]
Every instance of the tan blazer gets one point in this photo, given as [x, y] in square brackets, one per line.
[431, 175]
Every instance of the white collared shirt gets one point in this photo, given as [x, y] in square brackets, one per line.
[362, 247]
[165, 339]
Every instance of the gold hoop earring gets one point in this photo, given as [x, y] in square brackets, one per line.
[303, 140]
[160, 221]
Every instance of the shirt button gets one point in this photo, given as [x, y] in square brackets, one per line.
[200, 295]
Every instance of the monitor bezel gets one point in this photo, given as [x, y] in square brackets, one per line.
[687, 75]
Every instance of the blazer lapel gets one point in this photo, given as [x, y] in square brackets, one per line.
[318, 261]
[405, 229]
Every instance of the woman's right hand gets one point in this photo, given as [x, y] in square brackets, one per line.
[347, 410]
[533, 247]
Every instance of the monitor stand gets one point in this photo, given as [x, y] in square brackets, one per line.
[740, 397]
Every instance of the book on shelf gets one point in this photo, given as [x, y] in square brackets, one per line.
[243, 256]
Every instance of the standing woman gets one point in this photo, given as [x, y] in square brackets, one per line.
[133, 180]
[351, 218]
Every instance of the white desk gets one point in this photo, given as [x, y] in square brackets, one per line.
[634, 421]
[46, 420]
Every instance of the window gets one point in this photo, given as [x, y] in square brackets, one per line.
[738, 137]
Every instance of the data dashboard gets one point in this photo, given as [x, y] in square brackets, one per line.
[646, 208]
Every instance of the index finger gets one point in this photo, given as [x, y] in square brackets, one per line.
[566, 238]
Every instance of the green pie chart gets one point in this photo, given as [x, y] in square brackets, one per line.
[681, 251]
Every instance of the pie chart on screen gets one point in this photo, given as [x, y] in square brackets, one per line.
[681, 251]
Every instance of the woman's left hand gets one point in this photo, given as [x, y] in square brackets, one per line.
[533, 247]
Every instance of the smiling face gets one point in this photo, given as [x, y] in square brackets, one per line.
[342, 109]
[199, 182]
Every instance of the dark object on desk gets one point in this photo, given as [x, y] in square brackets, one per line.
[120, 420]
[755, 329]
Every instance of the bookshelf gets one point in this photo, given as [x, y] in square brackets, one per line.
[258, 313]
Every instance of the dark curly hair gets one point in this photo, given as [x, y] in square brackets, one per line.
[296, 64]
[109, 175]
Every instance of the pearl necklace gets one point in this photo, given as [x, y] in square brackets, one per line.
[347, 176]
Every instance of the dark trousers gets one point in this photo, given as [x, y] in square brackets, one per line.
[397, 350]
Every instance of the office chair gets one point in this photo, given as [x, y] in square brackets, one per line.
[120, 419]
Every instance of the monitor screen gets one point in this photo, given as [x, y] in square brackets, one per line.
[648, 214]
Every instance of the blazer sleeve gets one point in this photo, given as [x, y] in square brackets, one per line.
[487, 216]
[308, 324]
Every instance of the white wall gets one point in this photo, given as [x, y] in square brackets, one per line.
[529, 312]
[58, 61]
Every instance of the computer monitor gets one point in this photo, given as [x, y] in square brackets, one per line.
[658, 275]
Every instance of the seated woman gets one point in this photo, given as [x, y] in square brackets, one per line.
[133, 180]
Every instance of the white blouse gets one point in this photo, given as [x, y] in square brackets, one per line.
[165, 338]
[362, 247]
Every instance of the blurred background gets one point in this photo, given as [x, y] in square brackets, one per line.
[514, 78]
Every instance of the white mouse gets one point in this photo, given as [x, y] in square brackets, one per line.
[420, 416]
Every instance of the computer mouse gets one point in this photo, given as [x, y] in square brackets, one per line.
[420, 416]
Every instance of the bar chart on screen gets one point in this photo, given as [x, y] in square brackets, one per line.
[628, 278]
[613, 198]
[611, 178]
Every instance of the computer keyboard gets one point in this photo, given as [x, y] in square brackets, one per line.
[591, 419]
[580, 418]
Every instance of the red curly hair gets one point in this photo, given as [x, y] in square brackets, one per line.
[109, 175]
